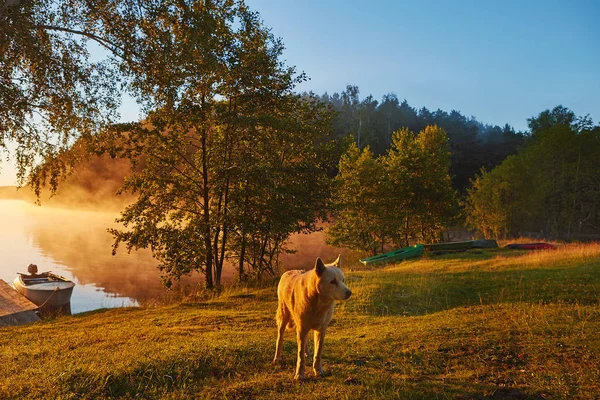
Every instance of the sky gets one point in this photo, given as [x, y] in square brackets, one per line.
[499, 61]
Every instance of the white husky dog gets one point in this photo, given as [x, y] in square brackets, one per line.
[306, 301]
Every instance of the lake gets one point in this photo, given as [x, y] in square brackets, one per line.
[75, 244]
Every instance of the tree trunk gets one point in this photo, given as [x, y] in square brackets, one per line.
[406, 234]
[574, 197]
[241, 272]
[215, 245]
[242, 255]
[358, 133]
[224, 238]
[261, 258]
[206, 210]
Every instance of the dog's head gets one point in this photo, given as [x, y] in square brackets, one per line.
[332, 282]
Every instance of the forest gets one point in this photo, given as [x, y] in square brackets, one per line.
[473, 144]
[229, 160]
[543, 183]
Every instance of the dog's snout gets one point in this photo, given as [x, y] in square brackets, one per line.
[348, 294]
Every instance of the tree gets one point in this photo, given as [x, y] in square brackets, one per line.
[402, 165]
[284, 186]
[464, 144]
[231, 155]
[359, 215]
[436, 207]
[422, 201]
[405, 195]
[498, 201]
[51, 92]
[213, 91]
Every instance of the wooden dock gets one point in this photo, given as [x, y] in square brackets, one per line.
[15, 309]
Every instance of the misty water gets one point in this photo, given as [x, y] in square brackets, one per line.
[76, 245]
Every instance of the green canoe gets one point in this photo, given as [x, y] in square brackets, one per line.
[395, 256]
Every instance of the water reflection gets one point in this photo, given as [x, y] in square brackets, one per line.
[75, 244]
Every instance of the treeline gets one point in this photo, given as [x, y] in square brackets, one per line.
[473, 145]
[543, 182]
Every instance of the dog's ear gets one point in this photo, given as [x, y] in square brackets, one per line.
[338, 261]
[319, 267]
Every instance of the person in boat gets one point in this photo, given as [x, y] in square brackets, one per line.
[32, 269]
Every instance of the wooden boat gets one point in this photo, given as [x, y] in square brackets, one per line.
[46, 289]
[395, 255]
[460, 246]
[531, 246]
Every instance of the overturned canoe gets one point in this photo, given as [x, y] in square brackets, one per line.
[464, 245]
[395, 255]
[485, 244]
[531, 246]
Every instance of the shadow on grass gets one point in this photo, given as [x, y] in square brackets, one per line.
[156, 378]
[215, 377]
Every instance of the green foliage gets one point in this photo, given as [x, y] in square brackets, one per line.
[360, 215]
[421, 198]
[405, 195]
[496, 203]
[51, 92]
[551, 186]
[436, 202]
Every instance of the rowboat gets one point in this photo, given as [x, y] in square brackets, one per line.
[395, 255]
[46, 289]
[464, 245]
[531, 246]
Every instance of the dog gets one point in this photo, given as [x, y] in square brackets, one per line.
[306, 300]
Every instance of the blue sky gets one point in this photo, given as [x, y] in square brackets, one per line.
[500, 61]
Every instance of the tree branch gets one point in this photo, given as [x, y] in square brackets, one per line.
[105, 43]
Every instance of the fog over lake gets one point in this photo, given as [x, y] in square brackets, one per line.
[75, 244]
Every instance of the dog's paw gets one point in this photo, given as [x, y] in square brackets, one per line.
[299, 377]
[320, 373]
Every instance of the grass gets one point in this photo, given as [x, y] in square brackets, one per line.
[483, 324]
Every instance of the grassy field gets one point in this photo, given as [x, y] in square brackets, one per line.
[484, 324]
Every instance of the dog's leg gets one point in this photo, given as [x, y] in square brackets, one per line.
[319, 338]
[307, 352]
[302, 336]
[283, 317]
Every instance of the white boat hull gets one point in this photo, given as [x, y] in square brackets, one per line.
[47, 294]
